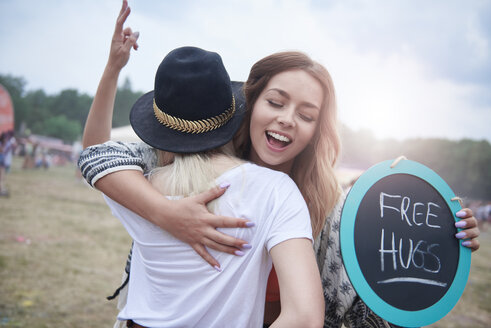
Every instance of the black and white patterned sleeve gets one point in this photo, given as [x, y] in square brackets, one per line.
[97, 161]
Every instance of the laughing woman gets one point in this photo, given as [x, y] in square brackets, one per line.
[290, 126]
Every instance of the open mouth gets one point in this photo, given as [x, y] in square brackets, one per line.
[277, 140]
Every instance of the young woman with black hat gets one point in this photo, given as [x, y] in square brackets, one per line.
[284, 93]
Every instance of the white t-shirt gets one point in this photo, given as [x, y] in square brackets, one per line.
[172, 286]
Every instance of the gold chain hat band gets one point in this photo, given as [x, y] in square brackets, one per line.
[199, 126]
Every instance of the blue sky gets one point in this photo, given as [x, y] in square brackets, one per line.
[401, 68]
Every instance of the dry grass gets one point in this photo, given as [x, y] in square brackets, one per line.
[474, 307]
[62, 253]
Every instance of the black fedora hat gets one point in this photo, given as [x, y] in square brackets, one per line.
[194, 106]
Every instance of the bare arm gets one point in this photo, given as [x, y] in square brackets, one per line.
[302, 300]
[98, 126]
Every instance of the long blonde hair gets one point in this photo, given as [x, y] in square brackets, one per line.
[313, 168]
[188, 174]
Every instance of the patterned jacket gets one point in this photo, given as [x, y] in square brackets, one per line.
[343, 306]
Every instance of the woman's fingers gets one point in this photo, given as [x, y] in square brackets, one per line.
[123, 39]
[198, 226]
[123, 7]
[223, 248]
[211, 194]
[225, 240]
[123, 14]
[468, 233]
[464, 213]
[127, 32]
[466, 223]
[470, 230]
[218, 221]
[203, 252]
[474, 245]
[130, 39]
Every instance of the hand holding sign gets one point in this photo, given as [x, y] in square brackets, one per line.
[398, 243]
[471, 232]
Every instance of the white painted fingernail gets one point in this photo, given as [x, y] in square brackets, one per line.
[217, 268]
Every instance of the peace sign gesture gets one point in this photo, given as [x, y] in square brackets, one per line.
[99, 120]
[123, 40]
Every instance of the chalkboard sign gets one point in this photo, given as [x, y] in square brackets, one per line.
[398, 243]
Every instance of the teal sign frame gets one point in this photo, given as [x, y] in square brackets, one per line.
[353, 200]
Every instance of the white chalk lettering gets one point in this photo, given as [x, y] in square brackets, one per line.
[383, 251]
[420, 256]
[428, 214]
[404, 206]
[411, 279]
[420, 253]
[404, 210]
[436, 259]
[409, 254]
[415, 213]
[382, 204]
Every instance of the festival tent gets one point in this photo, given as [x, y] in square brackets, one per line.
[124, 133]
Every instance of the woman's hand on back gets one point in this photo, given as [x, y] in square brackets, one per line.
[192, 223]
[187, 219]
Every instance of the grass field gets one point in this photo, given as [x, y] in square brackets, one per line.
[62, 253]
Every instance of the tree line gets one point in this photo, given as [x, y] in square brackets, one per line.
[464, 164]
[61, 115]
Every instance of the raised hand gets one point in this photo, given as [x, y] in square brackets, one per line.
[123, 40]
[98, 125]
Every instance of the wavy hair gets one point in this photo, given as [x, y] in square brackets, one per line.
[313, 169]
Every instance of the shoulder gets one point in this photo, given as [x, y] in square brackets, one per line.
[270, 176]
[266, 186]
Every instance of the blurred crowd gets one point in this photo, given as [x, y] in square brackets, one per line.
[482, 212]
[37, 152]
[7, 147]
